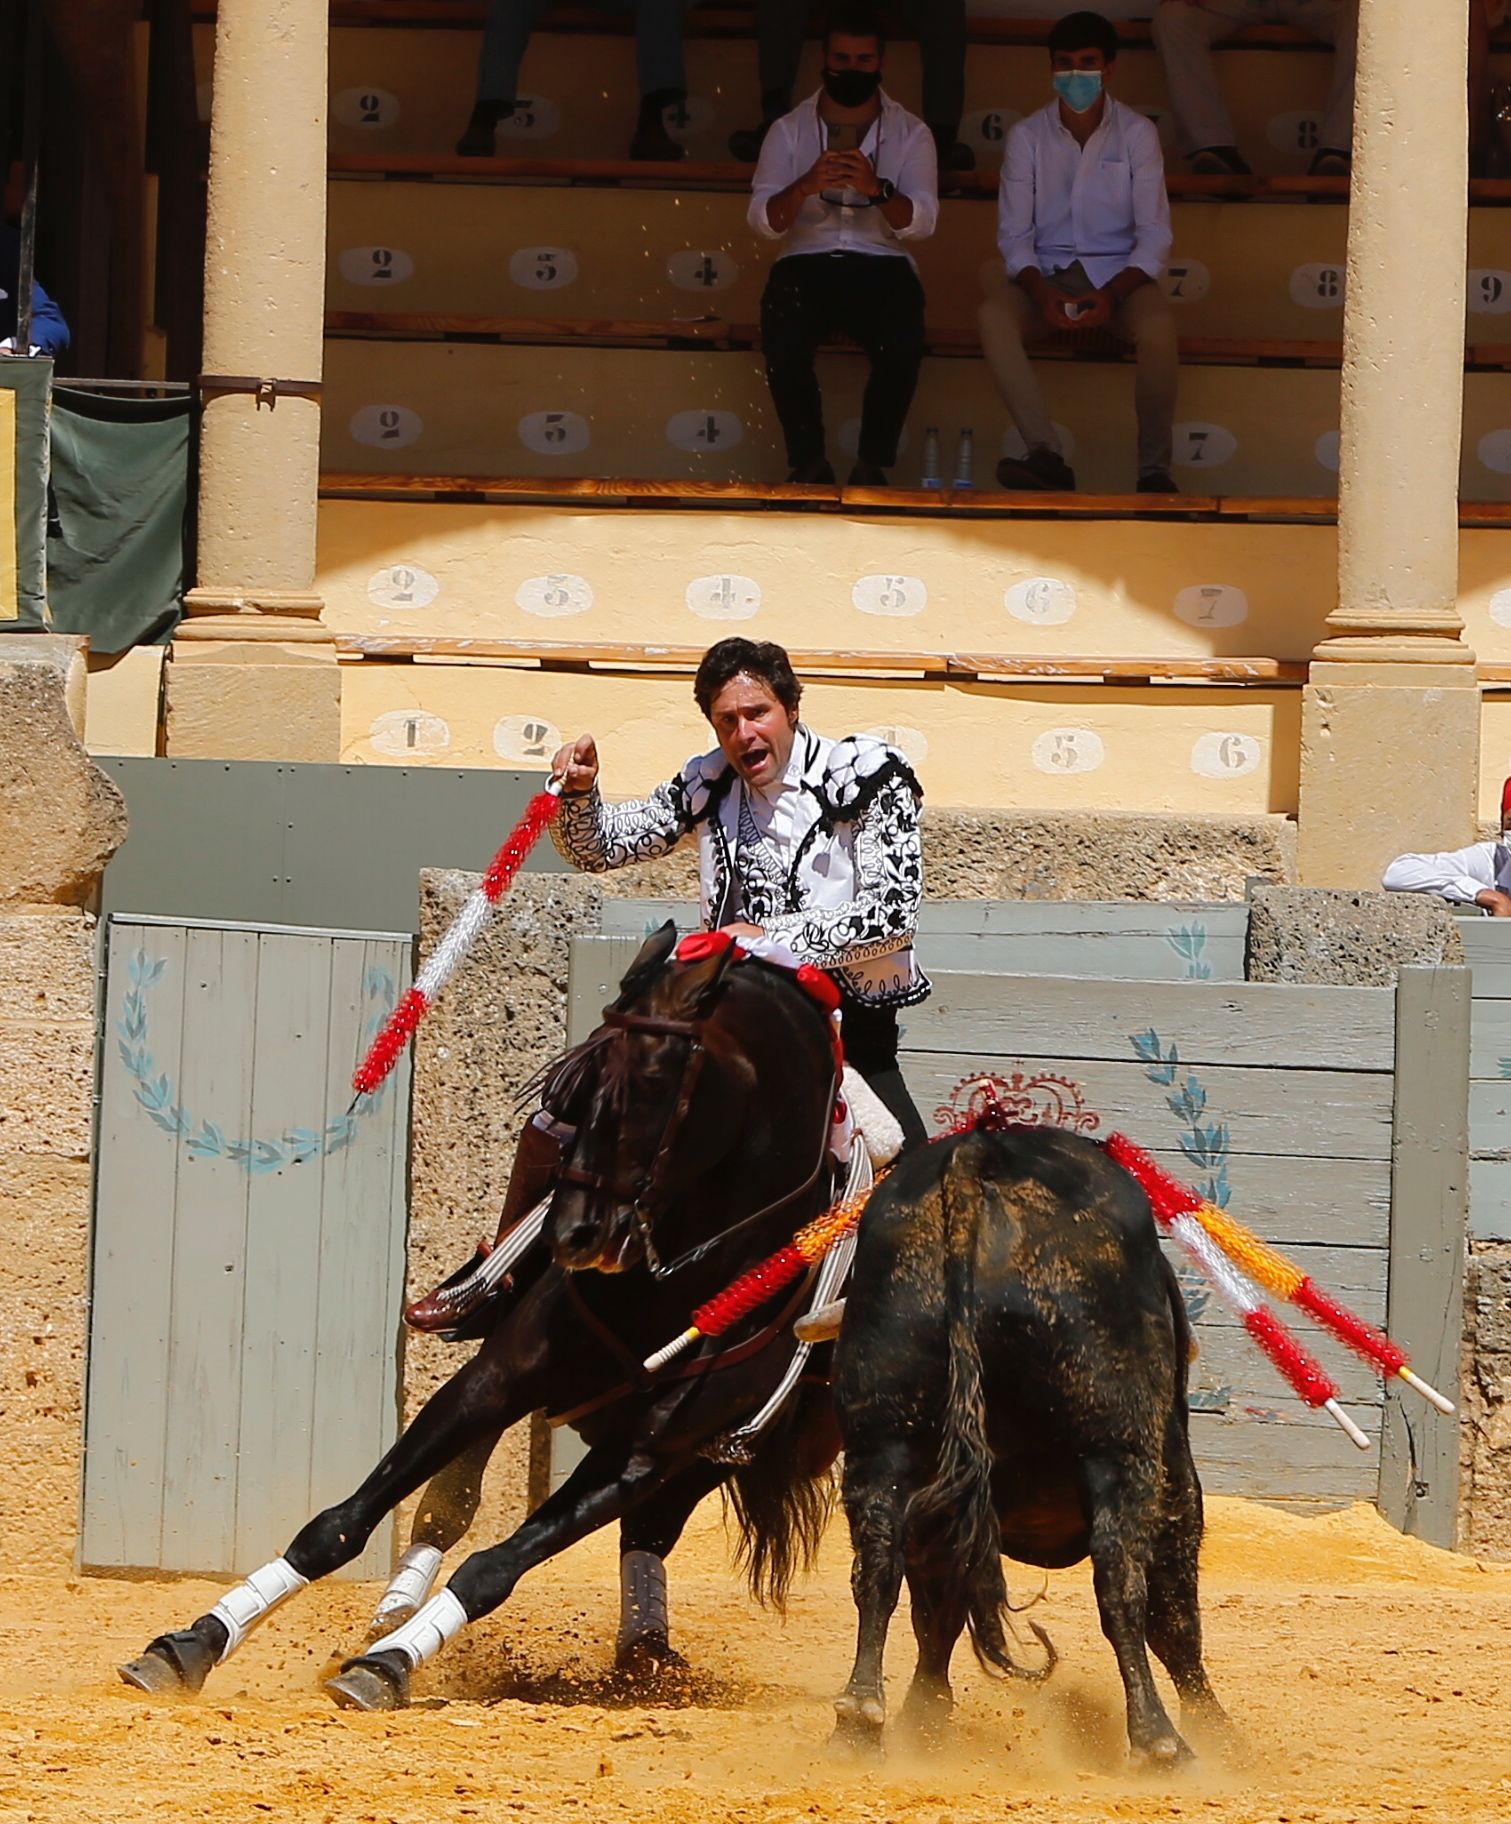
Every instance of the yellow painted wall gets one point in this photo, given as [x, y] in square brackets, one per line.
[1100, 589]
[1151, 749]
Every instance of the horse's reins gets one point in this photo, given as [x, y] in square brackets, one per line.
[644, 1196]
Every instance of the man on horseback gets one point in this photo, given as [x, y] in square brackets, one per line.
[805, 844]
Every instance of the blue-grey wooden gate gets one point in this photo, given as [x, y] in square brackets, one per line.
[248, 1242]
[1333, 1120]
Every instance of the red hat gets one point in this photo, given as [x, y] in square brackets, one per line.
[1505, 803]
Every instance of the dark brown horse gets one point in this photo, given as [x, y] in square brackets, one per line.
[703, 1146]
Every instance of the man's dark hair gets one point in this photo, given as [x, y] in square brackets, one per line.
[762, 660]
[1084, 32]
[853, 19]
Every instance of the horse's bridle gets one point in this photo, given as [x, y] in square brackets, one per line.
[644, 1197]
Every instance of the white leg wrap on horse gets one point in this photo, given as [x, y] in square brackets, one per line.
[423, 1635]
[642, 1596]
[412, 1582]
[879, 1127]
[240, 1610]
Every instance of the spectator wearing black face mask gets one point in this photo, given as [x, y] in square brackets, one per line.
[846, 180]
[939, 27]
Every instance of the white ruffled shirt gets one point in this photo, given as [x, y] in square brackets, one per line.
[827, 861]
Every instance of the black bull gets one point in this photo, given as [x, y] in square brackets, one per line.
[1011, 1378]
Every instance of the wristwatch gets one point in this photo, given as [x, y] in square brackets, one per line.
[885, 190]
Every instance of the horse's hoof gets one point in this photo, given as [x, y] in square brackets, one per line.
[382, 1625]
[648, 1656]
[175, 1664]
[155, 1674]
[376, 1681]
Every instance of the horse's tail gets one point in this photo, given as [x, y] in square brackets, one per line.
[956, 1510]
[780, 1508]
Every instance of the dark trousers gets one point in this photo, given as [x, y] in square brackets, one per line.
[877, 301]
[870, 1038]
[938, 25]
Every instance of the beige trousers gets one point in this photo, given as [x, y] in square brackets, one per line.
[1010, 324]
[1185, 34]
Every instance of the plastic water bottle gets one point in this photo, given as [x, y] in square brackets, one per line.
[930, 476]
[965, 460]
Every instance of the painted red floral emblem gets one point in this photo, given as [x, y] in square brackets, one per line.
[989, 1100]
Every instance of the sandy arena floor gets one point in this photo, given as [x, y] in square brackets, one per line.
[1370, 1674]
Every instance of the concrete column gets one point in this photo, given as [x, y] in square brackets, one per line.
[252, 664]
[1390, 717]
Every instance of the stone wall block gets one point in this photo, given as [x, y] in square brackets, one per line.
[1101, 855]
[1353, 939]
[61, 818]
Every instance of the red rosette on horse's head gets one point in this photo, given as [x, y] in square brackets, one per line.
[698, 946]
[818, 985]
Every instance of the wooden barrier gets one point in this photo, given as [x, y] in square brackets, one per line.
[1319, 1112]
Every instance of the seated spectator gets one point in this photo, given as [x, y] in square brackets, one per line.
[939, 27]
[1083, 228]
[1186, 30]
[49, 332]
[1479, 875]
[658, 63]
[845, 180]
[1487, 153]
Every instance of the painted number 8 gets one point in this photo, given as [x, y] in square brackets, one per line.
[1329, 282]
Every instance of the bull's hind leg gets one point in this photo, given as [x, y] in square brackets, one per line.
[446, 1510]
[1122, 1500]
[465, 1408]
[937, 1596]
[1174, 1622]
[875, 1513]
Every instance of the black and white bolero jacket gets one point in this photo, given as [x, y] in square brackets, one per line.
[841, 891]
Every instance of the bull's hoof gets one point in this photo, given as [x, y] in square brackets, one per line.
[648, 1656]
[376, 1681]
[1165, 1754]
[174, 1665]
[926, 1717]
[858, 1725]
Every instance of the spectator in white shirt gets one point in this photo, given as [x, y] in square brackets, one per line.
[845, 179]
[1479, 875]
[1186, 30]
[1083, 228]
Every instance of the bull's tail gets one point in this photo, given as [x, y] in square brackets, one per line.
[956, 1510]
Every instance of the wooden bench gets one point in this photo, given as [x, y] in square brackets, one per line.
[693, 174]
[715, 332]
[584, 655]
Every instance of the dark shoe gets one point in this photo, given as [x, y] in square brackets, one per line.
[651, 140]
[745, 143]
[455, 1299]
[1042, 468]
[1157, 481]
[816, 474]
[1329, 161]
[954, 154]
[1219, 161]
[477, 141]
[868, 475]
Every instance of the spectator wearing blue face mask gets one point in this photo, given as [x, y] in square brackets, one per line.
[1083, 230]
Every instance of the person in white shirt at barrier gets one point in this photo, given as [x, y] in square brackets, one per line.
[1185, 31]
[1083, 231]
[845, 180]
[1479, 875]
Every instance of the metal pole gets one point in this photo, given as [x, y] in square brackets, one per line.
[31, 133]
